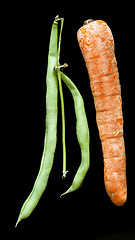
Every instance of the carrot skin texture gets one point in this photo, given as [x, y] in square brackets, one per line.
[97, 46]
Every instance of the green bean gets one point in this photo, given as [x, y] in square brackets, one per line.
[51, 129]
[82, 131]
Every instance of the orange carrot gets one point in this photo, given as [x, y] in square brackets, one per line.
[97, 46]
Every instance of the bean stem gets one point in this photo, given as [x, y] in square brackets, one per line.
[64, 172]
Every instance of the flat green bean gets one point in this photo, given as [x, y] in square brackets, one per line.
[82, 131]
[51, 129]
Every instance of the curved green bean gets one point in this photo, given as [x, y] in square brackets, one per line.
[51, 129]
[82, 131]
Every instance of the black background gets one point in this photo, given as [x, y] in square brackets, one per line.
[87, 212]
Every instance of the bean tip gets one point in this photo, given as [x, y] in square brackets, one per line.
[57, 18]
[64, 174]
[62, 195]
[19, 219]
[65, 193]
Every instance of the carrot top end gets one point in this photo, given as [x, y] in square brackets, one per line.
[88, 21]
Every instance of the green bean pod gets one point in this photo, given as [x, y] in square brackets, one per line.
[82, 131]
[51, 129]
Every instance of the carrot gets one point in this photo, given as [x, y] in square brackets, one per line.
[97, 46]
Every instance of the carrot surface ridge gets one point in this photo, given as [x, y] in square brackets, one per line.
[97, 46]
